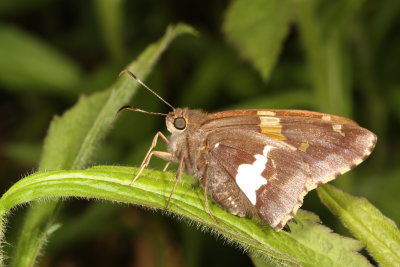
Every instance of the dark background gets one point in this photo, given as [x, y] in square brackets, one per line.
[51, 52]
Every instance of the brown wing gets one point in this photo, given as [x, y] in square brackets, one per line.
[308, 149]
[329, 144]
[285, 173]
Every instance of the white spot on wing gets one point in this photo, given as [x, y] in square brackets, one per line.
[249, 177]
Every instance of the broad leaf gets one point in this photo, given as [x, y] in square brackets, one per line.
[380, 234]
[257, 29]
[110, 14]
[28, 63]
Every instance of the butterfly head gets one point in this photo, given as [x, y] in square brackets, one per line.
[177, 120]
[182, 120]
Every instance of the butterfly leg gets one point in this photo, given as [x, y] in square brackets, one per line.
[206, 201]
[163, 155]
[166, 166]
[178, 178]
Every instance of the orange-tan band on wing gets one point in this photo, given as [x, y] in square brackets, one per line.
[271, 127]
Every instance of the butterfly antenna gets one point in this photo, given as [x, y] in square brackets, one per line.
[145, 86]
[139, 110]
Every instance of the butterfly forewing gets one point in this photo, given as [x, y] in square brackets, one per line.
[330, 144]
[329, 148]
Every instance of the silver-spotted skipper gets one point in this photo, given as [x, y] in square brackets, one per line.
[260, 162]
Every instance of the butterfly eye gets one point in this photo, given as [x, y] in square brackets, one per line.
[180, 123]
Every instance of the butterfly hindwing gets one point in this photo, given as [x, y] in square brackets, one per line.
[272, 178]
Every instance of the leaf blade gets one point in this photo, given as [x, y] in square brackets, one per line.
[29, 63]
[257, 29]
[380, 234]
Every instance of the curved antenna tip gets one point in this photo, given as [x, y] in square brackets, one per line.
[145, 86]
[124, 107]
[127, 72]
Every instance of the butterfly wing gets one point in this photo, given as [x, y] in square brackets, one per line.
[277, 156]
[269, 175]
[329, 144]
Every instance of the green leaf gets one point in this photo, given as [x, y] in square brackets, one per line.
[308, 244]
[72, 139]
[257, 29]
[110, 18]
[380, 234]
[325, 46]
[28, 63]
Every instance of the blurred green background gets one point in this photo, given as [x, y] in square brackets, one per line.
[340, 57]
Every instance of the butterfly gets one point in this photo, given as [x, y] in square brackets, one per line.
[259, 162]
